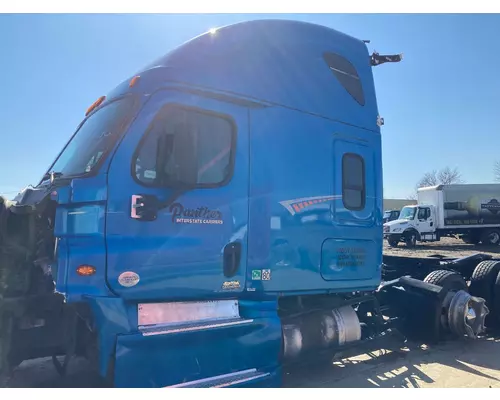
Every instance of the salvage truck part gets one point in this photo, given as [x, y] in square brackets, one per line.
[215, 217]
[483, 283]
[433, 312]
[477, 274]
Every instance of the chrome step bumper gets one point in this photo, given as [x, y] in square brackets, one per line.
[226, 380]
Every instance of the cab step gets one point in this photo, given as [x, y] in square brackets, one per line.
[226, 380]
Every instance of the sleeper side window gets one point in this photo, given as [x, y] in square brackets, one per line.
[186, 147]
[353, 182]
[347, 75]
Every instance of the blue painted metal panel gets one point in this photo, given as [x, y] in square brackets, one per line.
[296, 204]
[80, 222]
[175, 358]
[176, 260]
[276, 61]
[112, 317]
[284, 205]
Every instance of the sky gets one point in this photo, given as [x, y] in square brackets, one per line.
[440, 104]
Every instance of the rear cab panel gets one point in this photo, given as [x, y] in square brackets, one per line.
[300, 232]
[296, 172]
[354, 253]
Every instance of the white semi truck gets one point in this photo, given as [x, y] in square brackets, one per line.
[468, 211]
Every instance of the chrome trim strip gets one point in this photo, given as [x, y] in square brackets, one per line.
[169, 330]
[225, 376]
[243, 380]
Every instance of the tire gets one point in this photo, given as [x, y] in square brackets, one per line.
[447, 279]
[483, 284]
[491, 237]
[471, 239]
[496, 302]
[410, 239]
[393, 242]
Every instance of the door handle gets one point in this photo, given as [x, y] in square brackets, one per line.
[231, 259]
[144, 207]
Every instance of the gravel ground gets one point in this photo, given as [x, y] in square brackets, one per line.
[391, 364]
[456, 364]
[447, 246]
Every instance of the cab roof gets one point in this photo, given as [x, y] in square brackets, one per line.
[303, 66]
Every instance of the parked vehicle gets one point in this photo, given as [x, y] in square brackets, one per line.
[468, 211]
[390, 215]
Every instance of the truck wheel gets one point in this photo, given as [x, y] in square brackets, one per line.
[471, 239]
[483, 284]
[392, 242]
[496, 302]
[411, 239]
[447, 279]
[491, 237]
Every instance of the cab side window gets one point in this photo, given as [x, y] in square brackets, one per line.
[353, 182]
[424, 213]
[186, 147]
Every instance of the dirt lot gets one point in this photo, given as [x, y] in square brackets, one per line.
[447, 246]
[391, 363]
[456, 364]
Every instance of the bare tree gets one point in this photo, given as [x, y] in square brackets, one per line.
[448, 176]
[496, 171]
[429, 179]
[445, 176]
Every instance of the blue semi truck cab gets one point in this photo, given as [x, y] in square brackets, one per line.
[214, 217]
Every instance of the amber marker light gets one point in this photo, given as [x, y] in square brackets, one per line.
[95, 104]
[133, 81]
[85, 270]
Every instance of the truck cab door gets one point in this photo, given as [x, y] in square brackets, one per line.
[425, 221]
[177, 196]
[354, 250]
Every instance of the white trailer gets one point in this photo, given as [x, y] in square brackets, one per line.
[468, 211]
